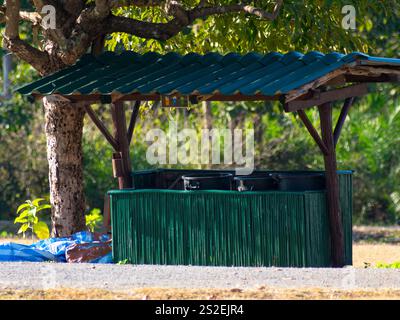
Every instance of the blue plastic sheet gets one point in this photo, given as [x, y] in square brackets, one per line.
[52, 249]
[19, 252]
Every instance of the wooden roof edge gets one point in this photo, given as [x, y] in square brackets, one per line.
[345, 75]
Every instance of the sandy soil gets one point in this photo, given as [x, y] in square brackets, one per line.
[371, 254]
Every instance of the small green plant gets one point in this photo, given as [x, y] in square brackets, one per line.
[93, 219]
[5, 234]
[121, 262]
[29, 220]
[394, 265]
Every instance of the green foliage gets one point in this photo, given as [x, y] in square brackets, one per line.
[370, 146]
[301, 25]
[122, 262]
[93, 219]
[97, 155]
[5, 234]
[14, 113]
[29, 219]
[394, 265]
[23, 164]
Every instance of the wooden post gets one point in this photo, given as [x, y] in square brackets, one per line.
[342, 118]
[313, 132]
[121, 136]
[332, 186]
[132, 122]
[107, 214]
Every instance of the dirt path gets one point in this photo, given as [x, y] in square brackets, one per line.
[87, 281]
[202, 294]
[22, 276]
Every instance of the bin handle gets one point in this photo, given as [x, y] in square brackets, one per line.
[195, 186]
[275, 176]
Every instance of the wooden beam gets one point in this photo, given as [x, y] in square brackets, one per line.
[313, 132]
[98, 98]
[357, 90]
[121, 135]
[342, 118]
[100, 125]
[332, 187]
[374, 70]
[240, 97]
[372, 79]
[132, 122]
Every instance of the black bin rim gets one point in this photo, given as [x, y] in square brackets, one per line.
[299, 175]
[254, 177]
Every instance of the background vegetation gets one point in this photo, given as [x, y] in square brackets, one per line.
[370, 143]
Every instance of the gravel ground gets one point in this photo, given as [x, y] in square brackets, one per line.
[19, 276]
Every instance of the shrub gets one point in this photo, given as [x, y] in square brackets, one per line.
[29, 220]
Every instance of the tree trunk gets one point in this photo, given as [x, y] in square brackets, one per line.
[64, 125]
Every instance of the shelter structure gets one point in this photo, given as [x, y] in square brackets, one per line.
[299, 81]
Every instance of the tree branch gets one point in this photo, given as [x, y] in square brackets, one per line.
[137, 3]
[164, 31]
[12, 19]
[33, 17]
[150, 30]
[202, 12]
[40, 3]
[89, 26]
[101, 9]
[38, 59]
[73, 7]
[175, 8]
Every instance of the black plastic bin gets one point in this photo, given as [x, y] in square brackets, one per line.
[255, 182]
[300, 181]
[207, 181]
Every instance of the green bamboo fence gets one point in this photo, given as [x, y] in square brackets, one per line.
[226, 228]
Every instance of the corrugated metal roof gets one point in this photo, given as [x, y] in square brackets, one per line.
[193, 74]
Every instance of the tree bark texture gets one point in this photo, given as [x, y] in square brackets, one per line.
[64, 124]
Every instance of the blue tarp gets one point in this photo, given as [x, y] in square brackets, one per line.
[52, 249]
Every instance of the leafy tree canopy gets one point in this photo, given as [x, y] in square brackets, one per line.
[301, 25]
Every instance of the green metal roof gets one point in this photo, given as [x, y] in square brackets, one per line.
[193, 74]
